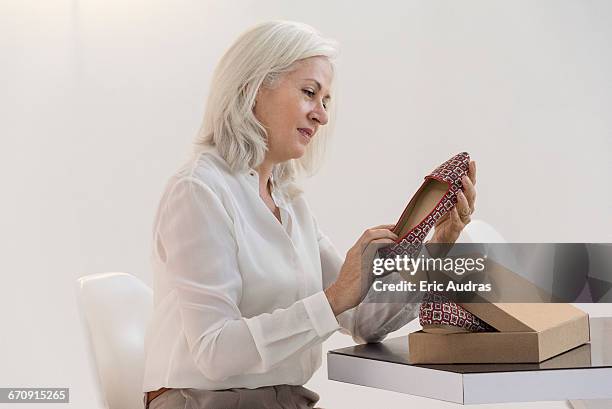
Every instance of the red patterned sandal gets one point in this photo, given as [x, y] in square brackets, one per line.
[438, 315]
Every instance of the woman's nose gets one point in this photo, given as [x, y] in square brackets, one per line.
[319, 114]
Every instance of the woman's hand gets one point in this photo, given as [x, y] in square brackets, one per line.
[449, 227]
[349, 288]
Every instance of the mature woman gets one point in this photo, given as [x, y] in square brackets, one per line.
[246, 285]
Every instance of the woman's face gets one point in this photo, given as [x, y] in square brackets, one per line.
[294, 108]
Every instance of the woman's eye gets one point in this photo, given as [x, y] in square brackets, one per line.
[311, 94]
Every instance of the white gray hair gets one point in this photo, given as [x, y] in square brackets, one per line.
[259, 57]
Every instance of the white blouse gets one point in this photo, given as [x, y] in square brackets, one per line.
[238, 296]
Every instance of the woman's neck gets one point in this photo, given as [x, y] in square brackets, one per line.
[265, 171]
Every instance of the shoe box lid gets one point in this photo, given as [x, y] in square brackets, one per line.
[521, 317]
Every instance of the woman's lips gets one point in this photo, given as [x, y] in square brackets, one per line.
[306, 133]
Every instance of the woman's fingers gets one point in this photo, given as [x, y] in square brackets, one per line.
[372, 247]
[378, 232]
[383, 226]
[382, 241]
[372, 235]
[469, 191]
[472, 172]
[375, 234]
[377, 243]
[454, 218]
[462, 210]
[442, 219]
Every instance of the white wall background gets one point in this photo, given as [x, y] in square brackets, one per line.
[100, 101]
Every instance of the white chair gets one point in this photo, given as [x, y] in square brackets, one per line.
[116, 308]
[479, 231]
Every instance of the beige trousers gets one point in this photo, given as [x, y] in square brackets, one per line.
[268, 397]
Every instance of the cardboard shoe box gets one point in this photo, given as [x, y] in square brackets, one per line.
[528, 333]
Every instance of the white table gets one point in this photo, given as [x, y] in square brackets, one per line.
[584, 372]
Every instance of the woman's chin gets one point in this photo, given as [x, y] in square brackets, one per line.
[293, 152]
[298, 152]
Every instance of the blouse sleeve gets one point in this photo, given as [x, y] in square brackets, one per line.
[371, 320]
[196, 233]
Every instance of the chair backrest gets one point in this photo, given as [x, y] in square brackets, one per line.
[478, 231]
[116, 308]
